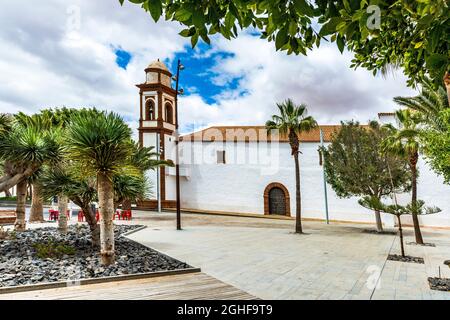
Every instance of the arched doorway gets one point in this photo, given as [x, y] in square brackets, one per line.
[276, 200]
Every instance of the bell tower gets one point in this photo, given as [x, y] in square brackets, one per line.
[157, 128]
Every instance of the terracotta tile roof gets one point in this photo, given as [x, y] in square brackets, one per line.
[254, 134]
[380, 114]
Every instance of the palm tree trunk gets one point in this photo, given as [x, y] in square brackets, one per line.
[298, 206]
[8, 193]
[378, 220]
[126, 204]
[413, 164]
[447, 85]
[106, 206]
[62, 208]
[37, 204]
[400, 230]
[89, 215]
[20, 224]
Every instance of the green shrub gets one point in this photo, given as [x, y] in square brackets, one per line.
[53, 249]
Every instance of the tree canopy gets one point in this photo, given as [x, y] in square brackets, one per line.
[410, 34]
[355, 166]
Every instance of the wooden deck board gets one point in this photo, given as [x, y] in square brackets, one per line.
[178, 287]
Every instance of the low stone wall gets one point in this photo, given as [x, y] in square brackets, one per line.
[7, 217]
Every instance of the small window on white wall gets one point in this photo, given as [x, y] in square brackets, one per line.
[221, 157]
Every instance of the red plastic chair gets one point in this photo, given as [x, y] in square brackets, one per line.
[80, 216]
[53, 215]
[97, 216]
[116, 214]
[126, 215]
[68, 214]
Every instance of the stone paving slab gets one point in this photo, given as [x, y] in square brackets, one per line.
[330, 262]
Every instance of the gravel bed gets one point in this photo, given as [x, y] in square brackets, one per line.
[20, 265]
[396, 257]
[441, 284]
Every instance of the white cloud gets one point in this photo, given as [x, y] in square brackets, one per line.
[322, 80]
[47, 61]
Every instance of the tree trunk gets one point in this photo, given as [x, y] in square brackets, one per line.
[8, 193]
[378, 220]
[106, 209]
[37, 204]
[447, 85]
[9, 181]
[20, 224]
[400, 230]
[62, 208]
[126, 204]
[413, 164]
[298, 206]
[89, 215]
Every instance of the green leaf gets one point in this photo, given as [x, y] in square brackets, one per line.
[183, 15]
[155, 8]
[330, 26]
[303, 8]
[292, 28]
[281, 39]
[194, 40]
[187, 32]
[436, 60]
[340, 43]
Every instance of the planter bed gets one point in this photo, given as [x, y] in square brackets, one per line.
[21, 266]
[441, 284]
[396, 257]
[384, 232]
[426, 244]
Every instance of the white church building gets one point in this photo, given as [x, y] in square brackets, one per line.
[243, 170]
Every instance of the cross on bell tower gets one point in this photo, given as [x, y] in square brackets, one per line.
[157, 128]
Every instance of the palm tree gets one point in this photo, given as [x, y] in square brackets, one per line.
[291, 122]
[102, 144]
[429, 103]
[46, 121]
[404, 142]
[143, 159]
[129, 188]
[66, 180]
[24, 150]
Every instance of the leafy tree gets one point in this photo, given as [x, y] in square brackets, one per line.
[436, 145]
[417, 208]
[355, 166]
[405, 142]
[292, 121]
[102, 144]
[413, 35]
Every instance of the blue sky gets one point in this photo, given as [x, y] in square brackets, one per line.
[198, 75]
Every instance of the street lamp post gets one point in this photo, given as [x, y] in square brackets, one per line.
[324, 181]
[177, 138]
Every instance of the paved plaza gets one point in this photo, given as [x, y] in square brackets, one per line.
[264, 258]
